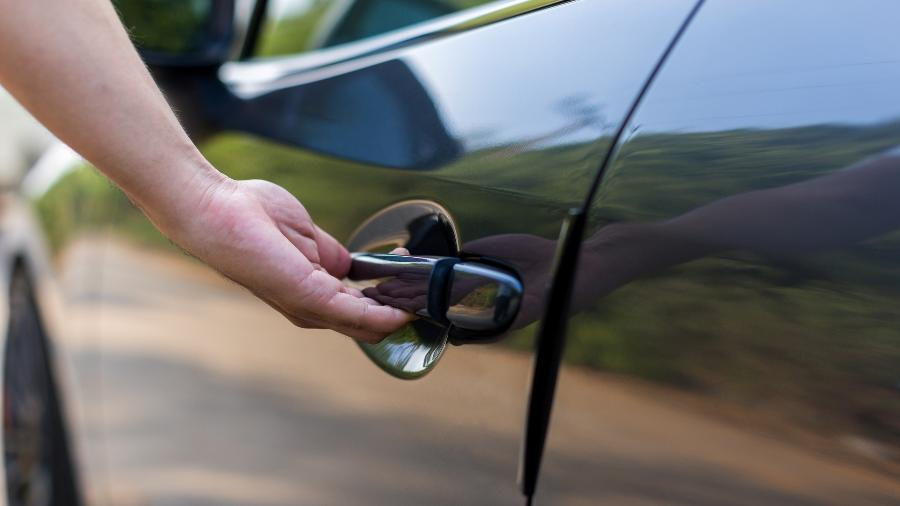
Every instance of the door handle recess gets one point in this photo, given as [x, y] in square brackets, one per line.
[476, 299]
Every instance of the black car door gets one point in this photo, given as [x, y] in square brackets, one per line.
[736, 337]
[464, 135]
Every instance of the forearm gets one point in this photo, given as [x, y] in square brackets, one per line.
[831, 211]
[70, 63]
[622, 252]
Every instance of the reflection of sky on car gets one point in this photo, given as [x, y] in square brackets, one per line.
[544, 64]
[794, 72]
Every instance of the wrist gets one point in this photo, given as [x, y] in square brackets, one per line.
[619, 253]
[179, 193]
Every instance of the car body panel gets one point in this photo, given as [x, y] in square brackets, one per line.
[755, 367]
[737, 330]
[209, 396]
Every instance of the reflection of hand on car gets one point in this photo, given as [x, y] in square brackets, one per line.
[408, 288]
[835, 210]
[532, 258]
[615, 255]
[404, 289]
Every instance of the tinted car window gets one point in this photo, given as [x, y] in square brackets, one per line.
[296, 26]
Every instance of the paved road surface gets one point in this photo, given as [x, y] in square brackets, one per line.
[214, 400]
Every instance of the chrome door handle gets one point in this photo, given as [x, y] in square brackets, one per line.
[477, 299]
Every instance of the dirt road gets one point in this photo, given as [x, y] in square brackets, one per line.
[194, 393]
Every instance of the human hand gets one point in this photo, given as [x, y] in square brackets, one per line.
[614, 256]
[257, 234]
[396, 285]
[532, 257]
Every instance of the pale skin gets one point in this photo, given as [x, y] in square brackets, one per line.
[72, 65]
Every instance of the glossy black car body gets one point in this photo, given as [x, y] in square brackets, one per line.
[724, 306]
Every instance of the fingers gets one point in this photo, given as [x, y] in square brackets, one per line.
[347, 325]
[408, 304]
[331, 304]
[302, 241]
[401, 288]
[356, 313]
[261, 237]
[332, 255]
[295, 224]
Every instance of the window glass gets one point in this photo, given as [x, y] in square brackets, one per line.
[297, 26]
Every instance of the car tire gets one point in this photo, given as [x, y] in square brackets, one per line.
[37, 461]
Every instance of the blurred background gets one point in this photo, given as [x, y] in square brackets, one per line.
[736, 378]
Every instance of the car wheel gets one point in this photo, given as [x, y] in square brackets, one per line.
[36, 454]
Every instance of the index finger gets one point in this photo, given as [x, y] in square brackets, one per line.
[343, 309]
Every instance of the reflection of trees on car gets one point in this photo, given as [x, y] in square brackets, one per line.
[766, 273]
[824, 213]
[662, 176]
[325, 23]
[169, 26]
[750, 296]
[821, 214]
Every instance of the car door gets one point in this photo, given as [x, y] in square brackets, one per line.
[480, 127]
[735, 337]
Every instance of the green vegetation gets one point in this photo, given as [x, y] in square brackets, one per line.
[168, 26]
[317, 25]
[81, 200]
[294, 34]
[795, 336]
[481, 201]
[800, 335]
[663, 175]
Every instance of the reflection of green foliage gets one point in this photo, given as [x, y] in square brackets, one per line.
[479, 299]
[82, 199]
[806, 334]
[340, 194]
[292, 34]
[733, 325]
[299, 33]
[169, 26]
[557, 175]
[506, 12]
[395, 352]
[697, 168]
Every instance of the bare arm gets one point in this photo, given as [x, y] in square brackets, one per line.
[828, 212]
[831, 211]
[71, 64]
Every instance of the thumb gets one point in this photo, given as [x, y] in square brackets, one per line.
[333, 257]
